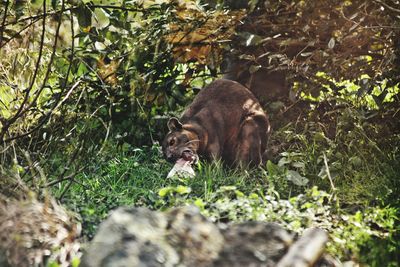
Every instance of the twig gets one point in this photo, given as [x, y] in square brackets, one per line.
[148, 123]
[46, 77]
[68, 93]
[20, 111]
[307, 250]
[19, 32]
[64, 178]
[58, 102]
[387, 6]
[4, 22]
[328, 172]
[71, 179]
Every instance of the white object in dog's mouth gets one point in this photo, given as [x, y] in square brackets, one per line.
[182, 168]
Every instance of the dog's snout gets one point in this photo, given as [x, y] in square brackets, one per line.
[169, 156]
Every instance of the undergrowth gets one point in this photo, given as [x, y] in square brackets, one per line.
[283, 191]
[341, 175]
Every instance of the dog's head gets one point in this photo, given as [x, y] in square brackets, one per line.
[180, 142]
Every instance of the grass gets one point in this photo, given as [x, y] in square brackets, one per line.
[138, 177]
[356, 201]
[135, 177]
[122, 179]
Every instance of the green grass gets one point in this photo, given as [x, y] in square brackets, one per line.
[138, 177]
[135, 178]
[127, 178]
[357, 202]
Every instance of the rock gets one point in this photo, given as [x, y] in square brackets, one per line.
[140, 237]
[33, 233]
[131, 237]
[196, 240]
[253, 244]
[183, 237]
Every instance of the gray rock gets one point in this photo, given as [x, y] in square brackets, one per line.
[131, 237]
[34, 233]
[183, 237]
[197, 241]
[253, 244]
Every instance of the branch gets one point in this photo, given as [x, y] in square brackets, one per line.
[4, 22]
[23, 110]
[387, 6]
[47, 117]
[307, 250]
[7, 123]
[64, 178]
[57, 12]
[18, 33]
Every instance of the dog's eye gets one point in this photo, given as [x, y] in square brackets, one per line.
[172, 142]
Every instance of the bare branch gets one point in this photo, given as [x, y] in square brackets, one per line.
[387, 6]
[3, 22]
[307, 250]
[9, 122]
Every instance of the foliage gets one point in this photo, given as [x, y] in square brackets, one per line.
[94, 74]
[129, 176]
[84, 84]
[350, 156]
[101, 63]
[137, 177]
[345, 39]
[349, 232]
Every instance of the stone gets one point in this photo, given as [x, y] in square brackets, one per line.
[253, 244]
[131, 237]
[33, 233]
[183, 237]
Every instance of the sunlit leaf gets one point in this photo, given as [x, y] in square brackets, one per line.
[296, 178]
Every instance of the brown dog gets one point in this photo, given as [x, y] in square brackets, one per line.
[224, 121]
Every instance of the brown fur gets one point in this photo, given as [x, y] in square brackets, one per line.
[224, 121]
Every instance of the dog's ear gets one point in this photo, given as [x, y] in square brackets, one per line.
[174, 124]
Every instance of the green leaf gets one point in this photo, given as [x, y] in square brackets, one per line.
[296, 178]
[283, 161]
[183, 190]
[84, 15]
[299, 165]
[54, 3]
[200, 203]
[53, 264]
[272, 168]
[239, 194]
[82, 69]
[323, 173]
[101, 18]
[227, 188]
[75, 262]
[164, 191]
